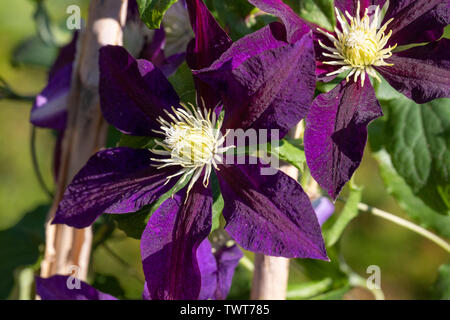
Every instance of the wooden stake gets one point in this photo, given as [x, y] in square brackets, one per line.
[68, 249]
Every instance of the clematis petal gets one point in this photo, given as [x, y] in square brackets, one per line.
[65, 57]
[269, 214]
[264, 82]
[209, 43]
[336, 133]
[227, 260]
[50, 107]
[57, 288]
[352, 5]
[170, 241]
[171, 64]
[295, 26]
[133, 93]
[417, 21]
[421, 73]
[117, 180]
[324, 208]
[208, 270]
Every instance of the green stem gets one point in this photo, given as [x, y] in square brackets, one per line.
[247, 263]
[406, 224]
[36, 164]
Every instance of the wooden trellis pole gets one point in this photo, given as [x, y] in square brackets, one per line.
[68, 249]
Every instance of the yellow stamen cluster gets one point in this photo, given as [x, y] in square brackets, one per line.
[192, 141]
[359, 46]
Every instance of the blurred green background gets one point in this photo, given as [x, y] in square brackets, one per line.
[409, 264]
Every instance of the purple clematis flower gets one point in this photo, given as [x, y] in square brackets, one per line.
[265, 214]
[216, 273]
[50, 107]
[363, 46]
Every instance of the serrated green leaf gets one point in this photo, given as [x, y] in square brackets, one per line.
[413, 205]
[335, 226]
[320, 12]
[19, 246]
[152, 11]
[442, 286]
[418, 140]
[337, 294]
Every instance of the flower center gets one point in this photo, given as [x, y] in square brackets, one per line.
[192, 141]
[360, 46]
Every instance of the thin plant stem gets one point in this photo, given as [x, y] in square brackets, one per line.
[406, 224]
[36, 168]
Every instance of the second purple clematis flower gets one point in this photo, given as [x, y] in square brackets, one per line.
[362, 47]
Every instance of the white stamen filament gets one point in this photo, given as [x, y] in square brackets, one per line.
[359, 46]
[192, 141]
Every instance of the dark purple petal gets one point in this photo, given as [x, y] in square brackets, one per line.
[153, 50]
[133, 93]
[208, 270]
[50, 107]
[117, 180]
[324, 208]
[209, 43]
[336, 133]
[264, 82]
[58, 288]
[227, 260]
[421, 73]
[170, 241]
[417, 21]
[210, 39]
[65, 57]
[171, 64]
[269, 214]
[351, 5]
[295, 26]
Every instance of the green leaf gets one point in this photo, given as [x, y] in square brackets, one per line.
[183, 83]
[152, 11]
[108, 284]
[218, 202]
[337, 294]
[321, 272]
[34, 51]
[308, 289]
[420, 135]
[441, 288]
[19, 246]
[290, 151]
[136, 142]
[320, 12]
[335, 226]
[133, 224]
[232, 14]
[408, 201]
[418, 140]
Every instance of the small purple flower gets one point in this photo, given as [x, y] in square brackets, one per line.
[271, 215]
[363, 46]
